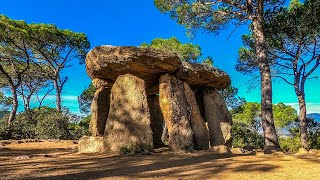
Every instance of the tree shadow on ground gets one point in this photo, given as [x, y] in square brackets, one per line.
[197, 165]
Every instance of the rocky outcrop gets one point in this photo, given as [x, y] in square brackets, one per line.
[128, 125]
[155, 100]
[203, 75]
[218, 117]
[90, 144]
[100, 109]
[199, 128]
[175, 112]
[98, 83]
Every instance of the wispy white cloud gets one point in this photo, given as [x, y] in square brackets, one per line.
[311, 107]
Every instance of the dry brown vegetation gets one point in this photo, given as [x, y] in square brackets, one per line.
[60, 160]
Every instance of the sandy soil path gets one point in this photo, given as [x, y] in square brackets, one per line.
[60, 160]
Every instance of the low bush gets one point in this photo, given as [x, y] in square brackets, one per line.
[43, 123]
[244, 136]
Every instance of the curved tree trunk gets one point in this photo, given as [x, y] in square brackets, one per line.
[15, 105]
[269, 130]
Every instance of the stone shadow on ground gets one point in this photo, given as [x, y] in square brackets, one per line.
[197, 165]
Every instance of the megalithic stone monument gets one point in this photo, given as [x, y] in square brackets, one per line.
[142, 93]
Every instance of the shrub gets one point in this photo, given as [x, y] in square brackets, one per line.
[290, 144]
[77, 130]
[53, 125]
[244, 136]
[135, 149]
[43, 123]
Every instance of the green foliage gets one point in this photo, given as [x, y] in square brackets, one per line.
[290, 34]
[314, 133]
[208, 60]
[243, 135]
[283, 115]
[249, 113]
[230, 96]
[5, 101]
[290, 144]
[22, 128]
[44, 123]
[186, 52]
[85, 99]
[77, 130]
[212, 16]
[135, 149]
[51, 124]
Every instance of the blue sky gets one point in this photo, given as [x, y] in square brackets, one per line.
[127, 22]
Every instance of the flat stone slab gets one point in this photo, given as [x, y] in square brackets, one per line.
[203, 75]
[109, 62]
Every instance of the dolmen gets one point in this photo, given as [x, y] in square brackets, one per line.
[148, 98]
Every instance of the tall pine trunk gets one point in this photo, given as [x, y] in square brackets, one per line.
[302, 116]
[269, 130]
[58, 95]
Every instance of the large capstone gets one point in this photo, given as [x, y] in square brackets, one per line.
[218, 117]
[199, 128]
[108, 62]
[198, 75]
[100, 109]
[174, 108]
[128, 126]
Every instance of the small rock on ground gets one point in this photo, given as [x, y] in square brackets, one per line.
[23, 157]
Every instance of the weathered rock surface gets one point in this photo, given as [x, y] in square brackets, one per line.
[90, 144]
[203, 75]
[218, 117]
[199, 128]
[100, 109]
[221, 149]
[108, 62]
[128, 125]
[147, 97]
[174, 108]
[98, 83]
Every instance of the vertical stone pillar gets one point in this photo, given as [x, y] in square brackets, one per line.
[175, 112]
[100, 109]
[199, 128]
[218, 117]
[157, 122]
[128, 126]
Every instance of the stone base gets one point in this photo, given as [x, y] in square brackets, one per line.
[90, 144]
[221, 150]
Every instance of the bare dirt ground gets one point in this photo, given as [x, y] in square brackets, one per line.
[60, 160]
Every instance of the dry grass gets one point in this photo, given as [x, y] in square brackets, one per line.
[63, 162]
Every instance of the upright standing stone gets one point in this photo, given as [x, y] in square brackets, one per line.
[218, 117]
[174, 108]
[199, 128]
[128, 125]
[157, 122]
[100, 109]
